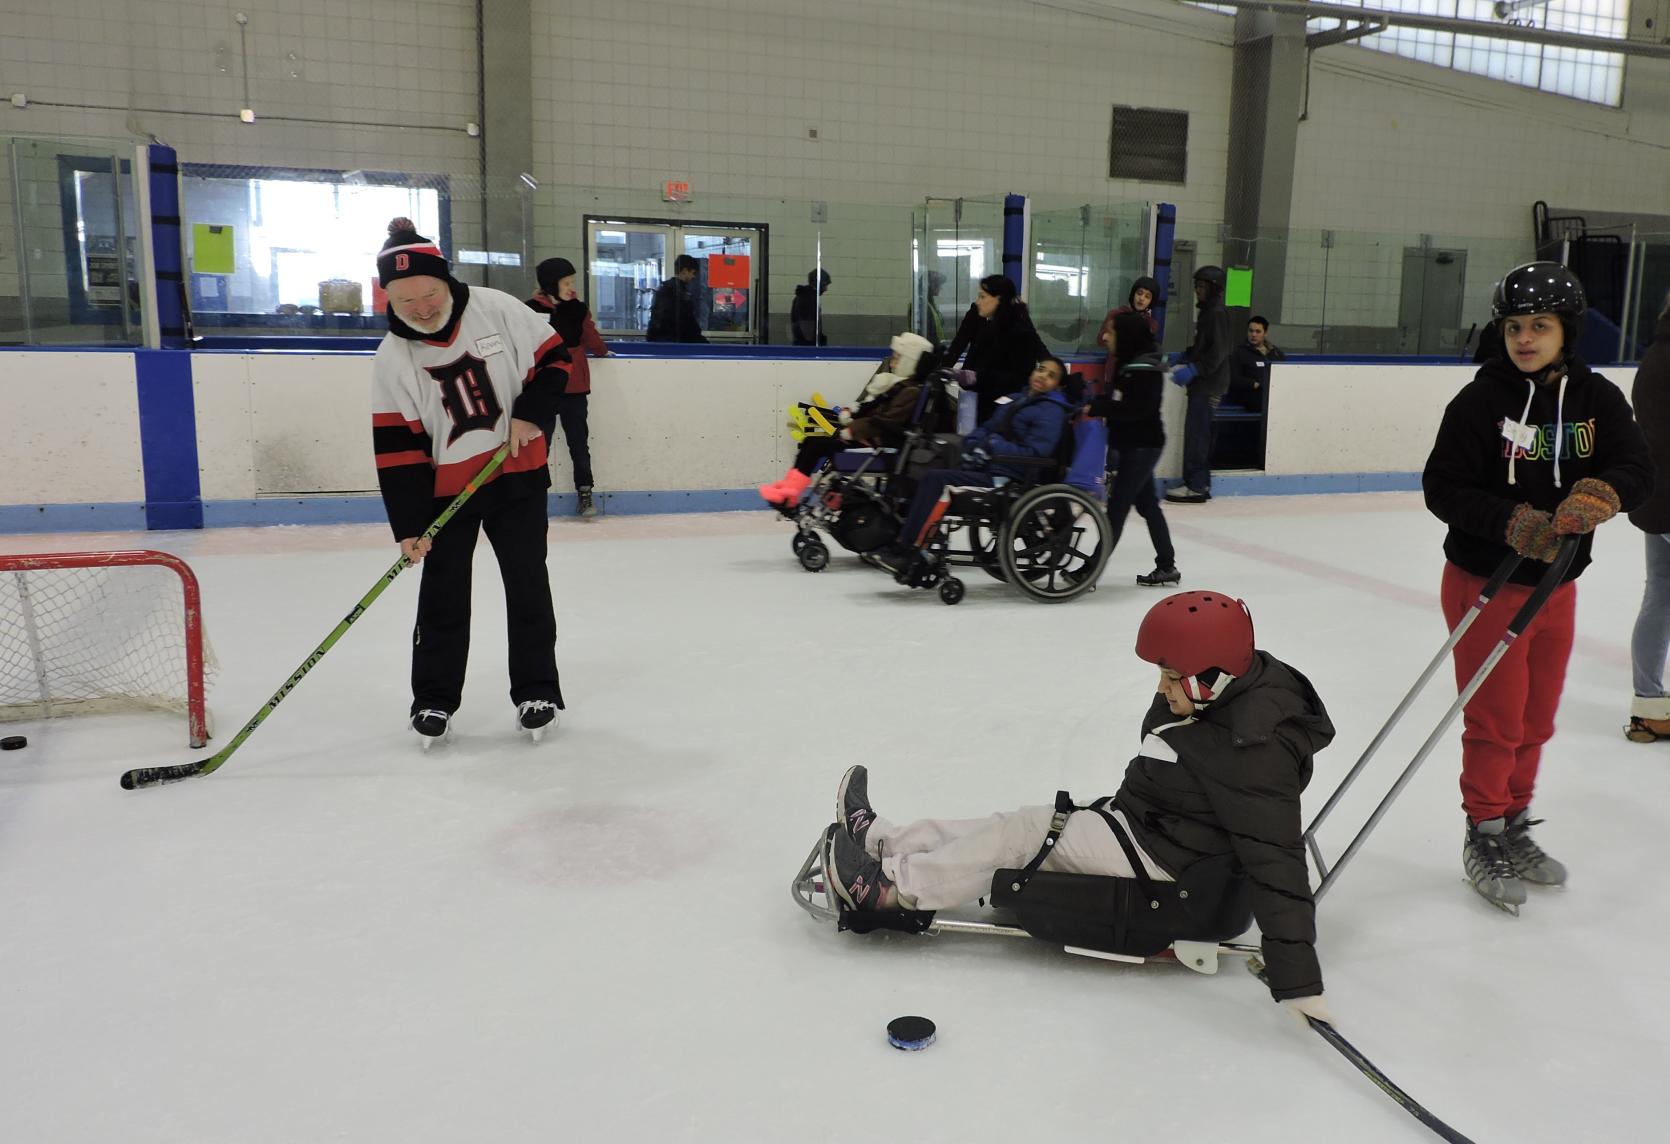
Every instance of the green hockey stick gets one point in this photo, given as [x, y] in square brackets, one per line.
[156, 776]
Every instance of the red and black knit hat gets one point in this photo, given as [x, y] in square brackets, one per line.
[408, 254]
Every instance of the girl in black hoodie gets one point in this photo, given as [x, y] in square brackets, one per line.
[1536, 447]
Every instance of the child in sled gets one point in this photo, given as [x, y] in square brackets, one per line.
[1226, 751]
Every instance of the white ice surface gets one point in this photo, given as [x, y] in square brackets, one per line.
[339, 937]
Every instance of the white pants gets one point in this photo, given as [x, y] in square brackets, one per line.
[940, 863]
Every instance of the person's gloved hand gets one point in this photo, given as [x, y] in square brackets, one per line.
[1183, 374]
[1592, 502]
[977, 455]
[843, 414]
[964, 378]
[1531, 533]
[1312, 1006]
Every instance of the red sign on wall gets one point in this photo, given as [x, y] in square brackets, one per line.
[675, 192]
[728, 271]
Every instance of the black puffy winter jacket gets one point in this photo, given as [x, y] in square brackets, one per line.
[1228, 781]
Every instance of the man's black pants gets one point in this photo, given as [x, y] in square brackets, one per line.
[515, 524]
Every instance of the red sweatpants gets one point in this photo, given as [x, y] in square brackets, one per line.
[1512, 715]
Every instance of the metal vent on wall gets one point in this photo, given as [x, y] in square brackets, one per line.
[1149, 143]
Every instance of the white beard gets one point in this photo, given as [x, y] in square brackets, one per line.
[435, 326]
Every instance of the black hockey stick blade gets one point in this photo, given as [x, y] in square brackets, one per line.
[156, 776]
[1366, 1067]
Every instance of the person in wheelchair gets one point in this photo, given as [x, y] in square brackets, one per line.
[884, 410]
[1027, 424]
[1227, 745]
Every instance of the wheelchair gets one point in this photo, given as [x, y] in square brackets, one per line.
[1047, 539]
[857, 499]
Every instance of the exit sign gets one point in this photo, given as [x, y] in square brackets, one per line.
[675, 192]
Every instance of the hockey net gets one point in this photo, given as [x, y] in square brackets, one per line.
[91, 632]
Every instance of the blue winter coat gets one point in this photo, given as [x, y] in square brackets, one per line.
[1030, 425]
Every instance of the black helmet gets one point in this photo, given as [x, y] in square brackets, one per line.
[1539, 288]
[1213, 276]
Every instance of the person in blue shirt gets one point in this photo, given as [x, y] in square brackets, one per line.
[1027, 424]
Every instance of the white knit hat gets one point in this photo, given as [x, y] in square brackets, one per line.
[910, 348]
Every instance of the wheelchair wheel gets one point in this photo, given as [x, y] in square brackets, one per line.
[1054, 544]
[798, 542]
[814, 557]
[950, 590]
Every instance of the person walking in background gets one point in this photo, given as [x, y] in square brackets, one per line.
[1249, 374]
[1131, 404]
[1649, 714]
[1003, 346]
[1204, 369]
[1144, 293]
[933, 326]
[558, 300]
[672, 315]
[1535, 448]
[806, 311]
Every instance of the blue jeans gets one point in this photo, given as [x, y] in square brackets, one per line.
[1651, 639]
[1133, 487]
[1197, 441]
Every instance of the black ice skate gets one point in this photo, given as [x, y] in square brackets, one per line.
[1490, 869]
[855, 877]
[1529, 860]
[852, 803]
[1160, 577]
[536, 715]
[587, 508]
[1649, 719]
[432, 726]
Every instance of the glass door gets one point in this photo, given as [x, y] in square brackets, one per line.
[727, 280]
[627, 260]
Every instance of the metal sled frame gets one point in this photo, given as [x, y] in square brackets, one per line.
[809, 885]
[1516, 628]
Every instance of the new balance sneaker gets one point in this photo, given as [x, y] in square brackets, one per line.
[535, 715]
[852, 804]
[587, 508]
[432, 724]
[856, 877]
[1528, 859]
[1485, 858]
[1160, 577]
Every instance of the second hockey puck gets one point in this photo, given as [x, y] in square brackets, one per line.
[910, 1033]
[13, 743]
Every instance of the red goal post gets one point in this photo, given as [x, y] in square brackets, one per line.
[85, 632]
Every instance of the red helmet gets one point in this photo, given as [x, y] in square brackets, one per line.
[1193, 631]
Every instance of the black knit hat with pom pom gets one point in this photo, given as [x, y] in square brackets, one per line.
[408, 254]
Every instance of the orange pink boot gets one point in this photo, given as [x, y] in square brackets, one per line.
[788, 490]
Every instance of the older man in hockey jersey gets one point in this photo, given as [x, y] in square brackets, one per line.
[461, 371]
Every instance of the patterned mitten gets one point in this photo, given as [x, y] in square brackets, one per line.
[1531, 533]
[1591, 503]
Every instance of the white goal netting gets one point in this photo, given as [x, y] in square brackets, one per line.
[111, 633]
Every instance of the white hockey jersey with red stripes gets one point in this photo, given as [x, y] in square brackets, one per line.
[460, 392]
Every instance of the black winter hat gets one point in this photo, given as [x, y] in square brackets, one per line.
[407, 254]
[552, 271]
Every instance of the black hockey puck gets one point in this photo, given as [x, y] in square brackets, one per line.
[13, 743]
[910, 1033]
